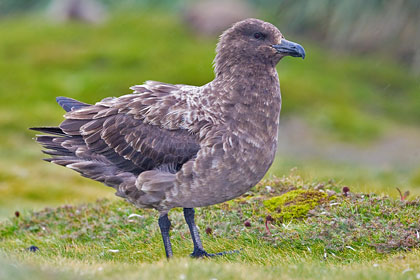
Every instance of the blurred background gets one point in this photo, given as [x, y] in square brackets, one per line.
[351, 109]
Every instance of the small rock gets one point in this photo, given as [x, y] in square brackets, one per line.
[331, 192]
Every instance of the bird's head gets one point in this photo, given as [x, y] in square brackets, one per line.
[254, 41]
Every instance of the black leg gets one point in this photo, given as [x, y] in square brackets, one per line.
[198, 246]
[165, 225]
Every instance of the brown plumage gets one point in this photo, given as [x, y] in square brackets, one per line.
[167, 146]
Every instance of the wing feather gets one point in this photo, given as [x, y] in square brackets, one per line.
[110, 129]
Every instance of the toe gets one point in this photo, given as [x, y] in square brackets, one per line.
[200, 253]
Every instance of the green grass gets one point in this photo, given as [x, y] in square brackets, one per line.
[184, 268]
[367, 236]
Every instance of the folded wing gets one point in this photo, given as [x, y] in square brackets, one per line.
[112, 141]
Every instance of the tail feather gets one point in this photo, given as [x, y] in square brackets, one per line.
[49, 130]
[70, 151]
[69, 104]
[53, 144]
[57, 153]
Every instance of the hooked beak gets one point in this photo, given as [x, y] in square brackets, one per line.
[290, 48]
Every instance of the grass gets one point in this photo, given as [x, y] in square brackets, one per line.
[347, 235]
[184, 268]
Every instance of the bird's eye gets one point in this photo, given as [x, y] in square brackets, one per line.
[258, 35]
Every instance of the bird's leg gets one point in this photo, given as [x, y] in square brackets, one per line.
[198, 246]
[165, 225]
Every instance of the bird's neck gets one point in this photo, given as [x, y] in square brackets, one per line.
[255, 85]
[250, 98]
[227, 68]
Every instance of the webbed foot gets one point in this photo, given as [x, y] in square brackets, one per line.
[199, 253]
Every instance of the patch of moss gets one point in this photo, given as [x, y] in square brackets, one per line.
[294, 204]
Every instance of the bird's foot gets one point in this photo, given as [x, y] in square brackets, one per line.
[200, 253]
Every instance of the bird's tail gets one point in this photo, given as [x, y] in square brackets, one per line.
[72, 152]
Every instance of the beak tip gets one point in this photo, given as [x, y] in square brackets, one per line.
[290, 48]
[301, 51]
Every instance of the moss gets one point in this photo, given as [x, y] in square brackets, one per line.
[294, 204]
